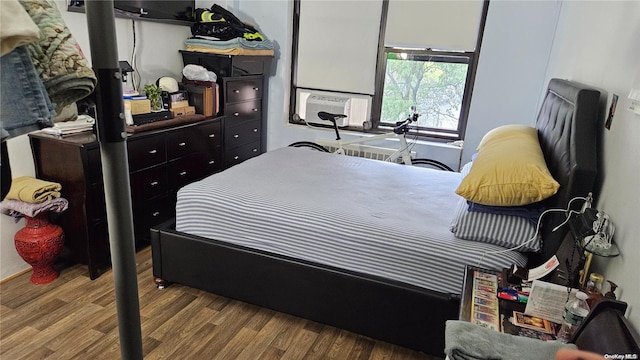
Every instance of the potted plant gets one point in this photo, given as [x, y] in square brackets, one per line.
[154, 93]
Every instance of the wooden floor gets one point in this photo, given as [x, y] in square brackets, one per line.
[75, 318]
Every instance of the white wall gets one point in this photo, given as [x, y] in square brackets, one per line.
[513, 59]
[597, 44]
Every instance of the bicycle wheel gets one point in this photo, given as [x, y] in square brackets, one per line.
[429, 163]
[310, 145]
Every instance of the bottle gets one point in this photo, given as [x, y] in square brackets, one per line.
[593, 289]
[575, 310]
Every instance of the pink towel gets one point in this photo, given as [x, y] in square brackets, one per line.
[18, 209]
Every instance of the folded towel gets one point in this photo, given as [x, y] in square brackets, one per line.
[19, 209]
[61, 64]
[466, 341]
[16, 27]
[34, 191]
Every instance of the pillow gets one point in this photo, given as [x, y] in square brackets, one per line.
[509, 170]
[531, 212]
[507, 231]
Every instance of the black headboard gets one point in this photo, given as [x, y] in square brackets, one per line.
[568, 126]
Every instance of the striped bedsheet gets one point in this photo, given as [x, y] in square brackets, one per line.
[362, 215]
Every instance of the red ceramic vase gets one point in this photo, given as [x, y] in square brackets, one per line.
[39, 243]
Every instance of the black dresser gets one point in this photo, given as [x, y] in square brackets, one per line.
[242, 80]
[160, 162]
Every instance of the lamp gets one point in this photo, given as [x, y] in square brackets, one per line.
[593, 232]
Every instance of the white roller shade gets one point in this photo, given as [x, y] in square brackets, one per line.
[436, 24]
[338, 45]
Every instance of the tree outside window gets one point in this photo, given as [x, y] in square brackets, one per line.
[434, 84]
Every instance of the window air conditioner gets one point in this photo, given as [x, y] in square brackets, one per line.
[327, 103]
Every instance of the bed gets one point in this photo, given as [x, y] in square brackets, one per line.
[281, 231]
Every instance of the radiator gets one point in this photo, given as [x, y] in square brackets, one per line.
[364, 151]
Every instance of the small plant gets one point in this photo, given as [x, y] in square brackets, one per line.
[153, 93]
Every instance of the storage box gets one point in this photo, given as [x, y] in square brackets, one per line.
[141, 106]
[181, 111]
[179, 104]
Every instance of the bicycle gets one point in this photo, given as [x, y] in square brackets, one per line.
[399, 131]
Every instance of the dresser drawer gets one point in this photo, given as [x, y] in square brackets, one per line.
[248, 110]
[212, 134]
[182, 142]
[241, 133]
[150, 213]
[149, 183]
[241, 90]
[239, 154]
[187, 170]
[146, 152]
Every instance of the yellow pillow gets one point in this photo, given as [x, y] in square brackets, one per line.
[509, 169]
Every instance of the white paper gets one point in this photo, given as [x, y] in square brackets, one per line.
[547, 300]
[544, 269]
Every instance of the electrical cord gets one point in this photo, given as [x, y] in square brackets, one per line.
[568, 213]
[136, 84]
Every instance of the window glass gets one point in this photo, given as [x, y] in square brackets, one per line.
[434, 84]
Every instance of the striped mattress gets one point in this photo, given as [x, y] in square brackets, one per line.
[362, 215]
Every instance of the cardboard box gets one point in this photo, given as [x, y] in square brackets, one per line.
[142, 106]
[182, 111]
[179, 104]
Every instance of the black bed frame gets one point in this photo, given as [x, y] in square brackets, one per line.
[380, 308]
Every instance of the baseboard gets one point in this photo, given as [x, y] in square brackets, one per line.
[11, 277]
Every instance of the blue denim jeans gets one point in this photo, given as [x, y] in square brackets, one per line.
[24, 104]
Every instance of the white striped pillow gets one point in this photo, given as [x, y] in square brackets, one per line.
[503, 230]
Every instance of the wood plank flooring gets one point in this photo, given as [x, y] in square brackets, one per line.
[75, 318]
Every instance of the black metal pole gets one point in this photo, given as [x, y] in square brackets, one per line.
[115, 171]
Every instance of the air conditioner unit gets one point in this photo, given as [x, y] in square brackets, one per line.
[327, 103]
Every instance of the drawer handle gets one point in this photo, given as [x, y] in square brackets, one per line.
[183, 173]
[236, 114]
[236, 136]
[212, 162]
[255, 130]
[153, 183]
[255, 110]
[212, 135]
[154, 151]
[236, 91]
[236, 157]
[182, 144]
[256, 89]
[255, 150]
[156, 214]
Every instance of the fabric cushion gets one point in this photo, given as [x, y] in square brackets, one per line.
[531, 212]
[509, 170]
[503, 230]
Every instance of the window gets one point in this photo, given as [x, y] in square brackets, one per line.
[382, 53]
[434, 82]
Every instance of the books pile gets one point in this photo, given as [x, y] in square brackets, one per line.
[82, 124]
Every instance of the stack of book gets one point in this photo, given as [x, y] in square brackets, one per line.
[82, 124]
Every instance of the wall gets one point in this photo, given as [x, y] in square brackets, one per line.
[597, 44]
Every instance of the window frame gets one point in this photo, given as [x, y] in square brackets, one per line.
[466, 57]
[441, 135]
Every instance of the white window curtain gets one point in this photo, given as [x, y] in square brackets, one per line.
[436, 24]
[338, 45]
